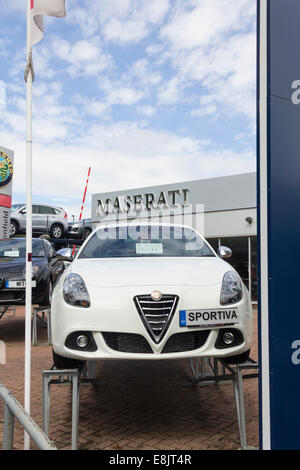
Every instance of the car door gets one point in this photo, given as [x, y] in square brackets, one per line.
[35, 218]
[46, 217]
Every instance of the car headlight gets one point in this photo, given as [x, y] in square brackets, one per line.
[232, 289]
[35, 270]
[75, 292]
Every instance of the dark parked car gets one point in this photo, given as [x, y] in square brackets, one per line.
[81, 229]
[46, 268]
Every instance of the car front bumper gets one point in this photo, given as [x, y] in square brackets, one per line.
[115, 313]
[16, 296]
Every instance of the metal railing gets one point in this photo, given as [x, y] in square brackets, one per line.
[12, 410]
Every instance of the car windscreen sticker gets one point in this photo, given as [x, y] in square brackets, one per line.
[12, 253]
[149, 248]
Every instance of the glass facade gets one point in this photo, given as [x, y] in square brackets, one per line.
[244, 259]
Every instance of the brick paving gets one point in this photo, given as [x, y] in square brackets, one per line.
[134, 405]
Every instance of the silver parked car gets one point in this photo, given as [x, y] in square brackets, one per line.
[81, 229]
[50, 219]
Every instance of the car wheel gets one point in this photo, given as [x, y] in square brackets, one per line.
[61, 362]
[46, 302]
[13, 229]
[86, 233]
[238, 359]
[57, 231]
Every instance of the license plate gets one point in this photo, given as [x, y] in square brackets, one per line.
[18, 284]
[208, 317]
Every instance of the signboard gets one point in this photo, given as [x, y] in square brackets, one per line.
[215, 194]
[6, 176]
[279, 200]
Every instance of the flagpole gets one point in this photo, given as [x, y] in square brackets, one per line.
[28, 296]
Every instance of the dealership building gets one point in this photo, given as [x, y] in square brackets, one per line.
[222, 209]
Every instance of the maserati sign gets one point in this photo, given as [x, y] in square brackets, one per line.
[135, 203]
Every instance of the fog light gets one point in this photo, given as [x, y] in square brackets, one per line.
[82, 341]
[228, 338]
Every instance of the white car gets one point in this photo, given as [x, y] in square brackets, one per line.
[149, 292]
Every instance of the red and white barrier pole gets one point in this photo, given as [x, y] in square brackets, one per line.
[83, 201]
[84, 194]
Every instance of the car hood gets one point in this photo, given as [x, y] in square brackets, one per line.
[115, 272]
[15, 269]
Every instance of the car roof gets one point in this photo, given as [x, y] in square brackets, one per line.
[38, 204]
[83, 220]
[18, 238]
[146, 224]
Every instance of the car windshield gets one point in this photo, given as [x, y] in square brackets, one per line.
[17, 249]
[15, 207]
[145, 241]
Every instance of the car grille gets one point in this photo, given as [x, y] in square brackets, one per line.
[156, 315]
[134, 343]
[12, 295]
[189, 341]
[127, 342]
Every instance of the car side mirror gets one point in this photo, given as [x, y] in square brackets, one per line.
[23, 211]
[65, 254]
[224, 252]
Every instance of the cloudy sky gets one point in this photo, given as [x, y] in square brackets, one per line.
[146, 92]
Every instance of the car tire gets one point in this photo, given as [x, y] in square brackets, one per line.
[46, 302]
[238, 359]
[57, 231]
[13, 230]
[61, 362]
[86, 233]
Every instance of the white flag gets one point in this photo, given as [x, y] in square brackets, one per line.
[38, 8]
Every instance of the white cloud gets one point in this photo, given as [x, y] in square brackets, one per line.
[121, 155]
[144, 73]
[81, 17]
[205, 110]
[146, 110]
[171, 91]
[8, 7]
[5, 46]
[211, 44]
[2, 94]
[195, 23]
[95, 108]
[52, 120]
[201, 54]
[84, 57]
[126, 96]
[120, 21]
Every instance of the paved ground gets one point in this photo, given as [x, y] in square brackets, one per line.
[134, 405]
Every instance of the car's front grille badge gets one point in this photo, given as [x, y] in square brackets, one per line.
[156, 314]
